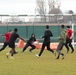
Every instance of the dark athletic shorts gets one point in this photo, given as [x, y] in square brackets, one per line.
[11, 45]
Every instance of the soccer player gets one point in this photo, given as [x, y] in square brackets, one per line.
[11, 42]
[69, 39]
[7, 38]
[46, 42]
[62, 41]
[30, 42]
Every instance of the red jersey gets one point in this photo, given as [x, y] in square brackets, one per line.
[7, 36]
[69, 32]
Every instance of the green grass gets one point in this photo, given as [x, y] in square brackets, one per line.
[28, 64]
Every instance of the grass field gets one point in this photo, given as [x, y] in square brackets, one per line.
[28, 64]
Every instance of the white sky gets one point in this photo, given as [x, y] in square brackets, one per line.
[28, 6]
[68, 5]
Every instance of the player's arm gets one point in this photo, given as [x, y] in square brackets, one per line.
[2, 35]
[72, 35]
[61, 37]
[22, 38]
[45, 35]
[34, 39]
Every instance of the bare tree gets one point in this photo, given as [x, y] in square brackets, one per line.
[41, 9]
[54, 8]
[53, 4]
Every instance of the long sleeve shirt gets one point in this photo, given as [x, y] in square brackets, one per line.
[31, 40]
[63, 36]
[47, 35]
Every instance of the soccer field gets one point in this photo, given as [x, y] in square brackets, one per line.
[28, 64]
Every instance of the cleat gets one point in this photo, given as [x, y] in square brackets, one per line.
[7, 55]
[72, 51]
[30, 51]
[11, 58]
[37, 55]
[57, 58]
[15, 52]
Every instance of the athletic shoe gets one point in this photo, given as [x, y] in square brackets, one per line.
[7, 55]
[72, 51]
[30, 51]
[63, 56]
[15, 52]
[11, 58]
[57, 58]
[37, 55]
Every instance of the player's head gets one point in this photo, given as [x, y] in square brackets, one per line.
[10, 31]
[32, 35]
[68, 26]
[62, 26]
[47, 27]
[15, 30]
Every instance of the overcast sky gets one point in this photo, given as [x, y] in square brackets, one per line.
[28, 6]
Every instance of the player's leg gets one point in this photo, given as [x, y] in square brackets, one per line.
[48, 47]
[60, 46]
[4, 46]
[12, 53]
[41, 51]
[26, 46]
[32, 47]
[66, 45]
[70, 44]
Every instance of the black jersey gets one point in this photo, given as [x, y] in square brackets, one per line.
[31, 40]
[13, 37]
[47, 35]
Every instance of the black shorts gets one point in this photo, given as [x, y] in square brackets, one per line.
[11, 45]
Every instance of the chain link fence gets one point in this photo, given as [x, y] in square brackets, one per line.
[28, 24]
